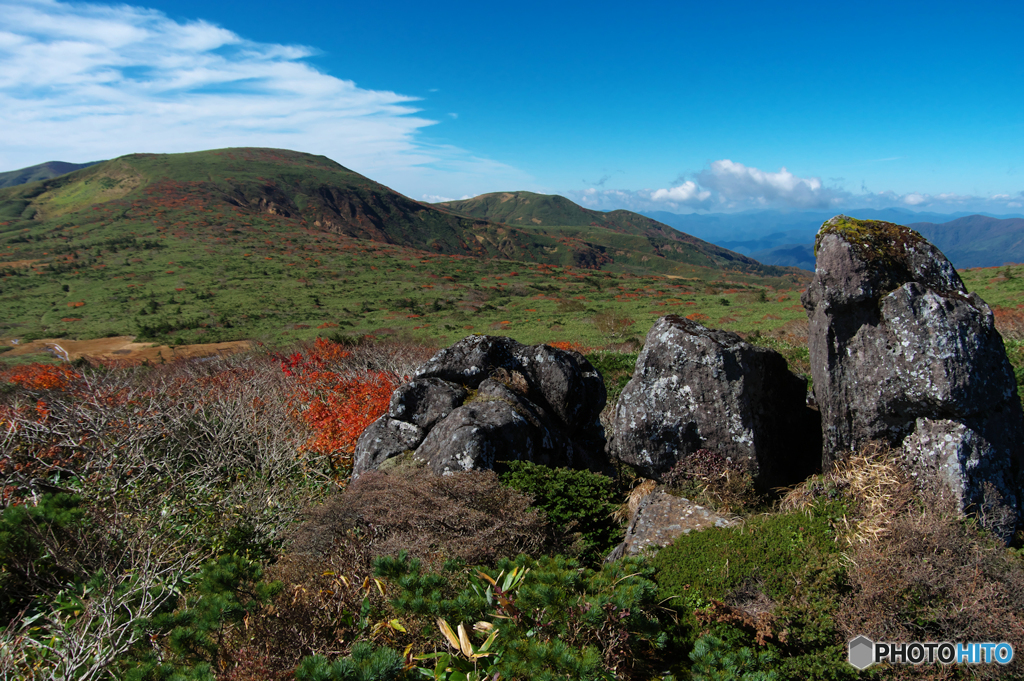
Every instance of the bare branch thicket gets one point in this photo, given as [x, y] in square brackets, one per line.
[395, 358]
[190, 427]
[87, 628]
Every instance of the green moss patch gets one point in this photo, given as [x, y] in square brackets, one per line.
[880, 244]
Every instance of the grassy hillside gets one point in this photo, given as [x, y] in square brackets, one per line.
[618, 236]
[256, 243]
[43, 171]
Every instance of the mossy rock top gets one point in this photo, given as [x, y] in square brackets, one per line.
[879, 244]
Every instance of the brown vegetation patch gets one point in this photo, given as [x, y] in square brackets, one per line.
[468, 515]
[933, 578]
[873, 478]
[124, 349]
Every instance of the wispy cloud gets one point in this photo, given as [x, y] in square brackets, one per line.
[434, 198]
[728, 186]
[83, 81]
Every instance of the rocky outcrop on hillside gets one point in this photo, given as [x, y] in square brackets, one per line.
[900, 352]
[489, 399]
[695, 388]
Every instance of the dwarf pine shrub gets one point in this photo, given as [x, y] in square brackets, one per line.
[37, 549]
[192, 638]
[715, 660]
[560, 620]
[365, 663]
[575, 501]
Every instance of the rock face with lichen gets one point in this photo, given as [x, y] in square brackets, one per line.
[661, 518]
[489, 399]
[695, 388]
[901, 352]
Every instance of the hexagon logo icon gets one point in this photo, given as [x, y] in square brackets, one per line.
[862, 651]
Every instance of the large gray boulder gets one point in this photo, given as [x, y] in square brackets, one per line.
[902, 353]
[694, 388]
[489, 399]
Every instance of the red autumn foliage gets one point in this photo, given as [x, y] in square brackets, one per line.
[40, 376]
[570, 345]
[337, 405]
[1010, 321]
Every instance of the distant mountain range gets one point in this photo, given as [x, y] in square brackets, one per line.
[43, 171]
[787, 238]
[319, 194]
[233, 243]
[543, 227]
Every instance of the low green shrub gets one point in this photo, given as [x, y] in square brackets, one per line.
[715, 660]
[576, 501]
[365, 663]
[786, 564]
[616, 368]
[203, 630]
[40, 549]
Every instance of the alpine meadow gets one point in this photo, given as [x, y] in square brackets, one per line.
[264, 418]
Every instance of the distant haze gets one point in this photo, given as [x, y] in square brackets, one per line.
[787, 238]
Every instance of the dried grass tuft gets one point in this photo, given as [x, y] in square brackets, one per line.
[873, 478]
[627, 511]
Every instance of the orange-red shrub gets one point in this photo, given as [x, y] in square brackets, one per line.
[337, 405]
[571, 345]
[37, 376]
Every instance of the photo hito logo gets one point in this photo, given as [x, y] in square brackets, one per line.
[864, 652]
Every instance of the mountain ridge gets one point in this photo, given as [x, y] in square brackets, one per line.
[548, 214]
[41, 171]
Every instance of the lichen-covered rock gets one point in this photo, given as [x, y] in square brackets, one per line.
[563, 382]
[955, 462]
[384, 439]
[695, 388]
[425, 401]
[489, 399]
[896, 342]
[660, 518]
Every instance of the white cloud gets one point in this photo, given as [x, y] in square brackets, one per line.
[434, 198]
[735, 182]
[82, 82]
[688, 193]
[728, 186]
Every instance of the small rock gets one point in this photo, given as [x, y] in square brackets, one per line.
[661, 518]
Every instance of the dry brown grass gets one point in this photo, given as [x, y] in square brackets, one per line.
[932, 577]
[713, 480]
[875, 482]
[918, 570]
[627, 511]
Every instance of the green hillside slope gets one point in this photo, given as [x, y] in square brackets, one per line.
[605, 234]
[243, 243]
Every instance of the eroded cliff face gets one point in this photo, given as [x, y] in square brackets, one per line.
[901, 353]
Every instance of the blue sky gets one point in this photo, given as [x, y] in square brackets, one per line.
[663, 106]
